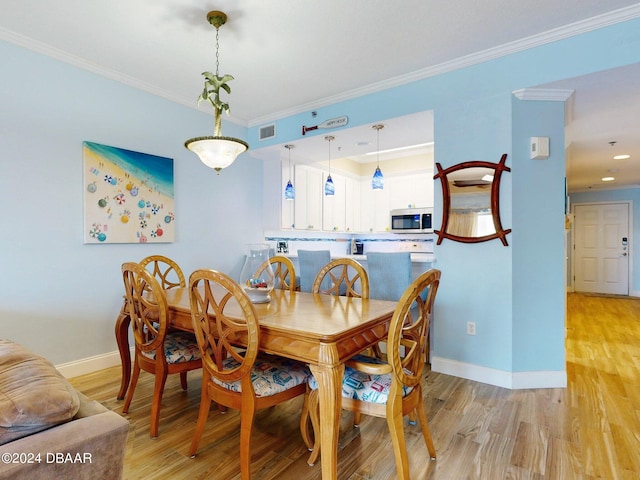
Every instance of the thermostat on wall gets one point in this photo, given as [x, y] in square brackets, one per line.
[539, 148]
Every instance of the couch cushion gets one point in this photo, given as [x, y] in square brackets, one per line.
[34, 396]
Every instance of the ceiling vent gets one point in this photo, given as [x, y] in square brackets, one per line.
[268, 131]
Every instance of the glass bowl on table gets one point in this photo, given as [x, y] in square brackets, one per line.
[256, 276]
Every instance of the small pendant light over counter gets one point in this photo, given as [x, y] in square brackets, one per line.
[377, 182]
[329, 187]
[289, 192]
[216, 151]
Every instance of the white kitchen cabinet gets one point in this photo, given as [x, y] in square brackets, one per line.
[352, 205]
[374, 207]
[334, 206]
[355, 207]
[308, 185]
[414, 190]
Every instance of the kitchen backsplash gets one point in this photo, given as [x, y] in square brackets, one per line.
[340, 245]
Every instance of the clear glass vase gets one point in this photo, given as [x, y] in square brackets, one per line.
[256, 276]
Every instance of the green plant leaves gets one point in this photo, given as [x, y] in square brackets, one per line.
[211, 92]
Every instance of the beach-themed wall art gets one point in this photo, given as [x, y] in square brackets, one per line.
[128, 196]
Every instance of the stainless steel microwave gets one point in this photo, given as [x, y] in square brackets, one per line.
[412, 220]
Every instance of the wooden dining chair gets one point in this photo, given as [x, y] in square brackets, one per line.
[345, 277]
[157, 350]
[391, 389]
[165, 270]
[169, 275]
[342, 276]
[235, 374]
[284, 273]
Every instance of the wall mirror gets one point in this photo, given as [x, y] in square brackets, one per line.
[471, 201]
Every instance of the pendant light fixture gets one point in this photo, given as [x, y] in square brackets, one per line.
[329, 187]
[289, 192]
[377, 182]
[216, 151]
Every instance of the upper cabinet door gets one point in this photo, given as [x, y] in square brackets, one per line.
[333, 206]
[411, 191]
[352, 205]
[375, 207]
[308, 202]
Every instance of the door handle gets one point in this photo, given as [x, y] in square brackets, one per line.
[624, 254]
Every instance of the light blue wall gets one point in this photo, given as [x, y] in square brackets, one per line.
[57, 295]
[628, 195]
[505, 290]
[538, 238]
[476, 278]
[49, 108]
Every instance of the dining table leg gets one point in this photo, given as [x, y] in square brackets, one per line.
[329, 373]
[122, 339]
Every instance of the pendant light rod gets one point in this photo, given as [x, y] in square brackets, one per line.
[329, 138]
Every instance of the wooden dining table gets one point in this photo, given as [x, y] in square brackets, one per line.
[321, 330]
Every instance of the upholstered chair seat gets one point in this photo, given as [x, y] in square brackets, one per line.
[178, 347]
[363, 386]
[270, 375]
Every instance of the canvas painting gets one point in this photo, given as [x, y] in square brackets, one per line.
[128, 196]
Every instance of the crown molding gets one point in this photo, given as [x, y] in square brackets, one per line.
[566, 31]
[61, 55]
[84, 64]
[550, 36]
[550, 94]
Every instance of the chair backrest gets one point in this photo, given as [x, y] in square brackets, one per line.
[409, 328]
[223, 316]
[342, 276]
[389, 274]
[147, 307]
[166, 271]
[284, 273]
[310, 263]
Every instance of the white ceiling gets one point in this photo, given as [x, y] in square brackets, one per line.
[295, 56]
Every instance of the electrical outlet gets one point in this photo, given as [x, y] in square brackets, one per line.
[471, 328]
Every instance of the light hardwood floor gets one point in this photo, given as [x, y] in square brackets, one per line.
[590, 430]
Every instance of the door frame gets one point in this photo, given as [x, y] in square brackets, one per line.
[571, 254]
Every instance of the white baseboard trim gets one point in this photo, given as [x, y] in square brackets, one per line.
[500, 378]
[90, 364]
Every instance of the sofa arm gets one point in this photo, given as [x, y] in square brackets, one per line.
[88, 448]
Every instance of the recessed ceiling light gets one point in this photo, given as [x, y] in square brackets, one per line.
[621, 157]
[608, 179]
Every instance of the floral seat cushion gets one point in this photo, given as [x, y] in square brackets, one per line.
[270, 375]
[178, 347]
[364, 386]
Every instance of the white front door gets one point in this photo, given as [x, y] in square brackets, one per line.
[602, 248]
